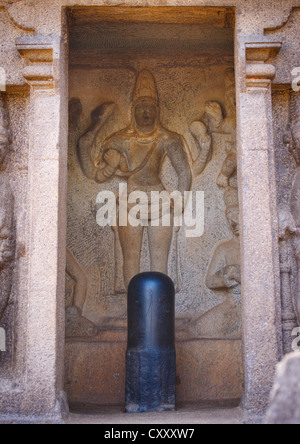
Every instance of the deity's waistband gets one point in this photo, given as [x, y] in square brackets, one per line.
[153, 212]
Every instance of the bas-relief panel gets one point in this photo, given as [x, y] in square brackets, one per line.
[13, 180]
[197, 104]
[7, 225]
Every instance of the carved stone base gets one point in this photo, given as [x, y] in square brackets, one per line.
[216, 363]
[150, 381]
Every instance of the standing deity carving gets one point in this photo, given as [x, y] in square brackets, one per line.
[135, 155]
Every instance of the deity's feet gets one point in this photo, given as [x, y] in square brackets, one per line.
[78, 326]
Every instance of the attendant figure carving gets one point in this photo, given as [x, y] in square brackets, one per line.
[76, 292]
[224, 273]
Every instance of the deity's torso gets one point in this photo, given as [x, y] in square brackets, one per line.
[144, 155]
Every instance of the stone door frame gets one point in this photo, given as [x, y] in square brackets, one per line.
[46, 71]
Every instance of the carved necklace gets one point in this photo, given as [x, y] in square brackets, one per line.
[145, 140]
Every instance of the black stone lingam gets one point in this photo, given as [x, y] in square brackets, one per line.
[151, 359]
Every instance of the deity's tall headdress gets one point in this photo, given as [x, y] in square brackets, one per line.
[145, 88]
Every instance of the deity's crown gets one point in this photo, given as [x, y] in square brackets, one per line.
[145, 88]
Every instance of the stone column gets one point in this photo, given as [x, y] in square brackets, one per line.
[259, 230]
[46, 76]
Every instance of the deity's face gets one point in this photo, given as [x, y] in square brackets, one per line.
[3, 145]
[234, 220]
[145, 114]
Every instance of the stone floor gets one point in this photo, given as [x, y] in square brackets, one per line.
[187, 415]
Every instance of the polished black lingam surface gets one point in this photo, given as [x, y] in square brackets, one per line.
[151, 359]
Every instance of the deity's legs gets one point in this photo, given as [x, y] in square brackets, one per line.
[131, 239]
[160, 240]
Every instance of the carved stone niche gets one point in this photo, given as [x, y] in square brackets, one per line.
[152, 107]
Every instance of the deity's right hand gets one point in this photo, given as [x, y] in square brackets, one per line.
[112, 158]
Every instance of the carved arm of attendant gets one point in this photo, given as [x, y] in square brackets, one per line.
[86, 142]
[75, 271]
[228, 168]
[204, 143]
[232, 276]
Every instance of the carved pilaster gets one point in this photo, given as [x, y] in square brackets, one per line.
[260, 259]
[259, 75]
[45, 72]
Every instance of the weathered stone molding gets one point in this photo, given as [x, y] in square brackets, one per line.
[39, 54]
[259, 74]
[283, 24]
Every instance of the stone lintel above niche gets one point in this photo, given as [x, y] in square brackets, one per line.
[112, 38]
